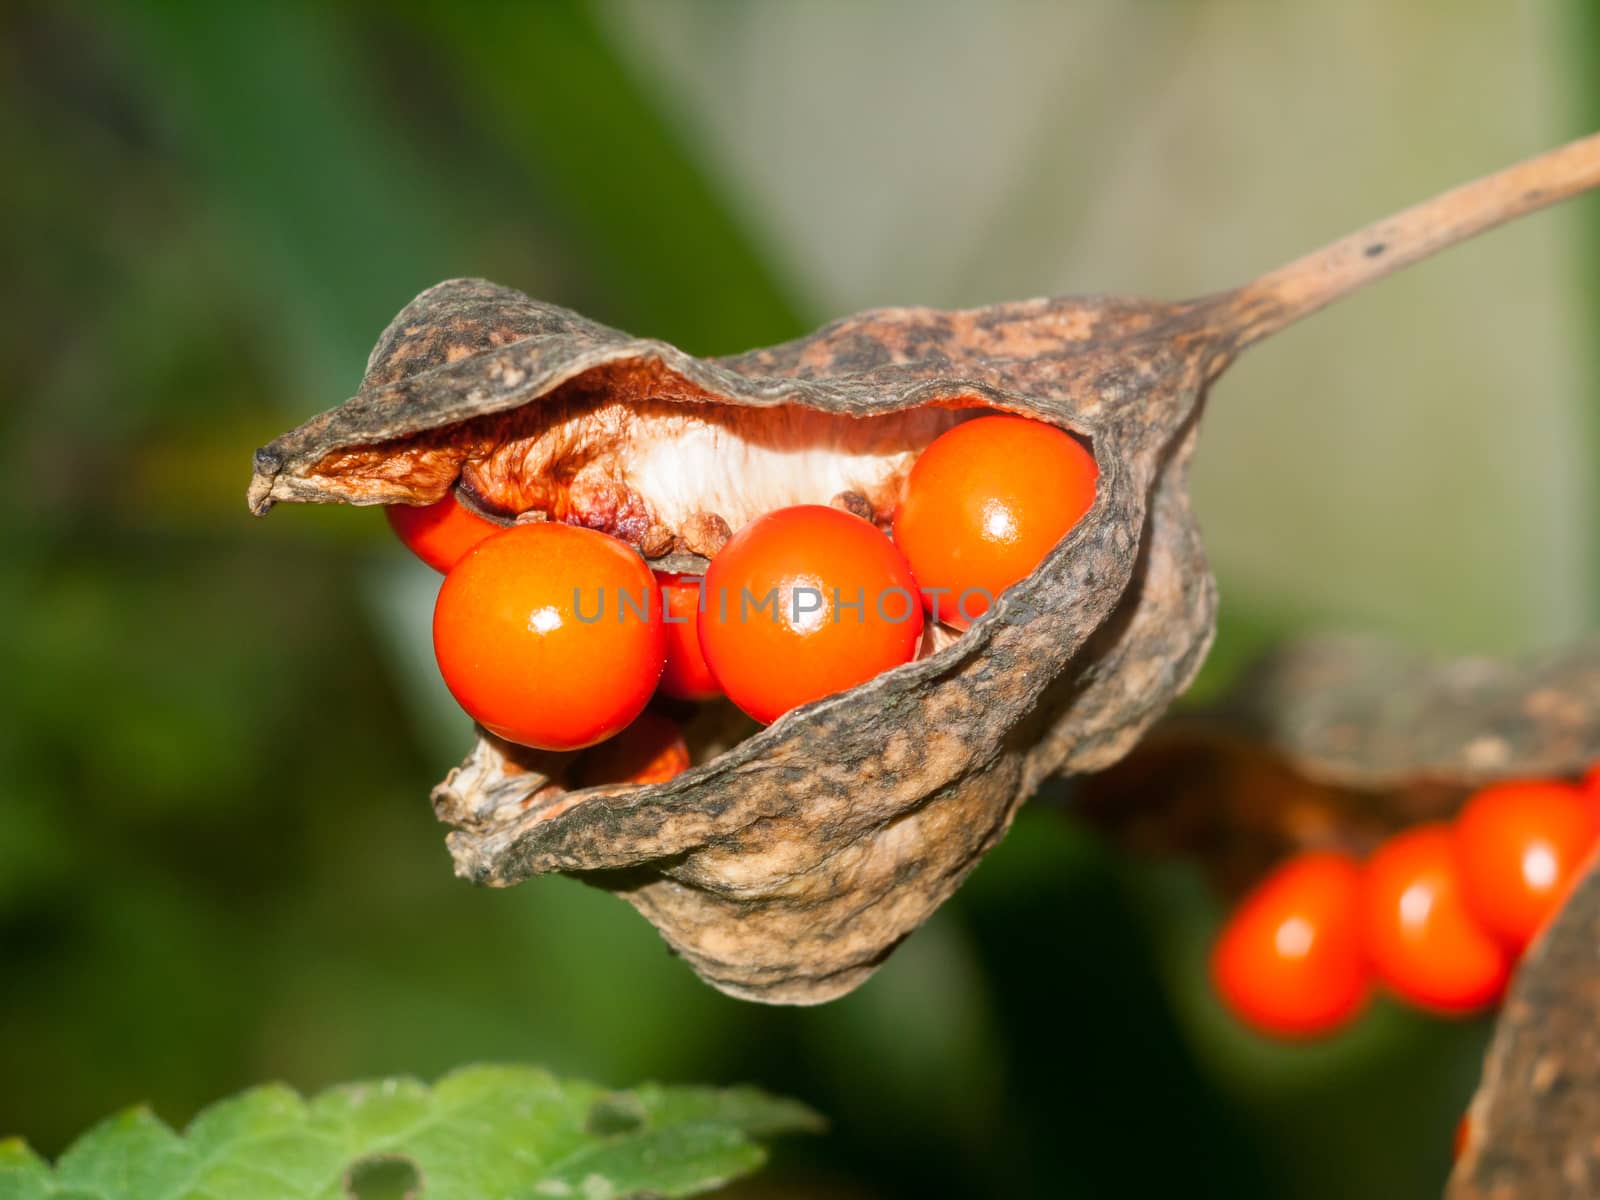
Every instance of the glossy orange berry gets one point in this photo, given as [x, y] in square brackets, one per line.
[1421, 937]
[550, 635]
[984, 504]
[439, 533]
[686, 677]
[805, 602]
[1520, 845]
[1289, 960]
[651, 750]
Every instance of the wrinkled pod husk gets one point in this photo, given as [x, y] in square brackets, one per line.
[1534, 1124]
[1414, 734]
[787, 868]
[1340, 742]
[1337, 742]
[1366, 712]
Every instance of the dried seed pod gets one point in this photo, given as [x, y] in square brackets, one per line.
[1366, 713]
[1338, 742]
[787, 867]
[1535, 1116]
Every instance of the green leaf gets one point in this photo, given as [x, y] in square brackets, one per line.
[482, 1131]
[23, 1175]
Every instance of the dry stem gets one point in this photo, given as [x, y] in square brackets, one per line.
[1300, 288]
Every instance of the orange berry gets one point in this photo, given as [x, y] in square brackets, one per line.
[439, 533]
[1520, 846]
[686, 677]
[651, 750]
[984, 504]
[1289, 961]
[1421, 938]
[805, 602]
[550, 635]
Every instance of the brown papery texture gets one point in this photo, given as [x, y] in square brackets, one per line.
[1535, 1121]
[1336, 743]
[789, 865]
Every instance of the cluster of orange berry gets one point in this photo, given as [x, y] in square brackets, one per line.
[556, 636]
[1438, 914]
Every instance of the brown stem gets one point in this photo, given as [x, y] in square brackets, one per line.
[1300, 288]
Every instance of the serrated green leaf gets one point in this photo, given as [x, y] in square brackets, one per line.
[131, 1154]
[481, 1131]
[23, 1174]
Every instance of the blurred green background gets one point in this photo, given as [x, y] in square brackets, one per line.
[217, 862]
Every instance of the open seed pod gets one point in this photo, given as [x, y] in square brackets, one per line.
[1340, 742]
[785, 866]
[788, 866]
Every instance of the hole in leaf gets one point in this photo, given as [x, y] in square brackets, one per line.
[615, 1114]
[383, 1177]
